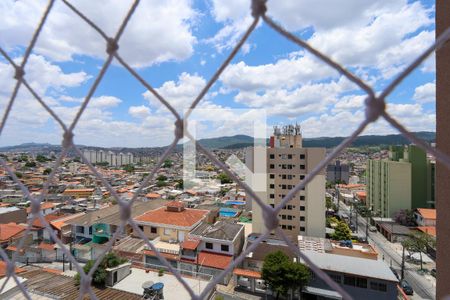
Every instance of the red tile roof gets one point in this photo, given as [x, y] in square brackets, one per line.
[37, 222]
[44, 205]
[45, 246]
[10, 230]
[168, 256]
[214, 260]
[184, 218]
[247, 273]
[175, 204]
[427, 213]
[190, 244]
[3, 269]
[431, 230]
[153, 196]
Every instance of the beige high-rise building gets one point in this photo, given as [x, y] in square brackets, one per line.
[287, 164]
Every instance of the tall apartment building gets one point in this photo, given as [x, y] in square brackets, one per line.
[112, 158]
[287, 164]
[405, 181]
[338, 172]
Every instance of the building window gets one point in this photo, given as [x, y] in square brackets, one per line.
[283, 217]
[141, 228]
[349, 280]
[302, 208]
[302, 228]
[302, 218]
[289, 207]
[283, 226]
[273, 205]
[153, 230]
[361, 282]
[302, 156]
[290, 176]
[302, 167]
[224, 248]
[302, 198]
[272, 186]
[302, 177]
[272, 156]
[208, 245]
[378, 286]
[80, 229]
[272, 176]
[90, 230]
[167, 231]
[289, 156]
[289, 227]
[289, 217]
[272, 196]
[272, 166]
[335, 277]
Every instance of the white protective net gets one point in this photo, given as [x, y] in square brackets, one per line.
[374, 108]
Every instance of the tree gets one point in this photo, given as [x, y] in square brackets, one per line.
[30, 164]
[179, 184]
[47, 171]
[282, 275]
[19, 175]
[224, 178]
[418, 242]
[129, 168]
[342, 232]
[161, 178]
[161, 183]
[110, 260]
[167, 163]
[328, 202]
[41, 158]
[331, 221]
[405, 217]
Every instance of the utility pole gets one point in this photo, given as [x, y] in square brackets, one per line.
[64, 264]
[403, 264]
[70, 261]
[368, 213]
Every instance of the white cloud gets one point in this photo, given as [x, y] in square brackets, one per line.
[425, 93]
[344, 122]
[144, 42]
[286, 72]
[179, 94]
[382, 43]
[139, 111]
[41, 75]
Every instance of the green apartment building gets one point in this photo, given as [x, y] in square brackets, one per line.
[405, 181]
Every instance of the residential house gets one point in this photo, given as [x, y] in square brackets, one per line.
[210, 248]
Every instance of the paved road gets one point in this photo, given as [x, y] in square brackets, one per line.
[423, 288]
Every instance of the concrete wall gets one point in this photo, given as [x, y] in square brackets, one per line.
[398, 187]
[16, 216]
[120, 272]
[358, 292]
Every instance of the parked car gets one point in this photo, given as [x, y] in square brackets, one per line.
[372, 228]
[406, 287]
[433, 272]
[395, 272]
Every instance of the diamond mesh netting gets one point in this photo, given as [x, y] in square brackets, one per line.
[374, 108]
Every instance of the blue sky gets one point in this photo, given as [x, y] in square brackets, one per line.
[177, 46]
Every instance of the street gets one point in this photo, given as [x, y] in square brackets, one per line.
[423, 288]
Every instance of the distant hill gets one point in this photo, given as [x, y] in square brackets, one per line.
[369, 140]
[242, 141]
